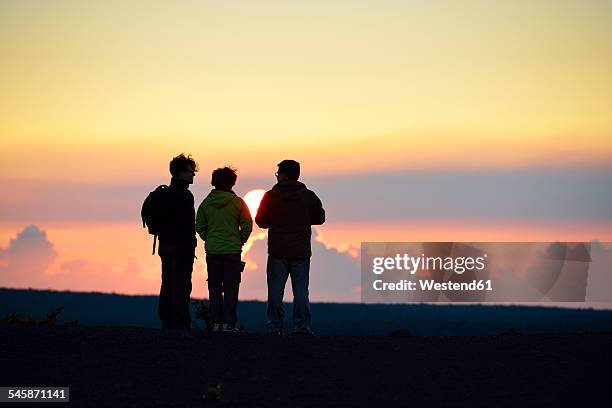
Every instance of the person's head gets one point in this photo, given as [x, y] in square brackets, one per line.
[183, 167]
[224, 178]
[288, 170]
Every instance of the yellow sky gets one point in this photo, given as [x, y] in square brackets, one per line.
[343, 85]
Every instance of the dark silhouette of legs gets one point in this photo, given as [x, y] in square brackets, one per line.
[277, 272]
[175, 291]
[214, 266]
[165, 309]
[223, 286]
[231, 286]
[299, 271]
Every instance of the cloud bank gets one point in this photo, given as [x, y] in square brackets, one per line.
[334, 272]
[31, 261]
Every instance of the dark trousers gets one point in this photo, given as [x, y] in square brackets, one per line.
[223, 285]
[175, 292]
[278, 270]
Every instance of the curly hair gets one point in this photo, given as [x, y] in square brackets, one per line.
[180, 163]
[224, 178]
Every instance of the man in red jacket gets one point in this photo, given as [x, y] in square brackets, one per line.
[288, 210]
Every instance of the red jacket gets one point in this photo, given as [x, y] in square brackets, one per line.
[288, 210]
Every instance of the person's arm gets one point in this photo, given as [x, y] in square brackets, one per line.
[201, 224]
[317, 213]
[245, 220]
[263, 217]
[190, 218]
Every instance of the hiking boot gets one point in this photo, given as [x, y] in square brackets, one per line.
[230, 328]
[275, 332]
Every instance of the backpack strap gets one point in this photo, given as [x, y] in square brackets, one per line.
[154, 242]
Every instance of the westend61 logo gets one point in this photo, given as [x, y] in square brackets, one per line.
[400, 272]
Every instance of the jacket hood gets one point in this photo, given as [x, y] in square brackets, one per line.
[290, 190]
[220, 198]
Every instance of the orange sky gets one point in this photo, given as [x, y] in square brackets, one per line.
[105, 91]
[122, 252]
[98, 96]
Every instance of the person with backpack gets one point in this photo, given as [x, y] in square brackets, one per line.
[169, 214]
[224, 222]
[288, 210]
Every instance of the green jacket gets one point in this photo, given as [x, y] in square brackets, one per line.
[224, 222]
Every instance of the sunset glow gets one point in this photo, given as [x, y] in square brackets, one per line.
[420, 121]
[253, 199]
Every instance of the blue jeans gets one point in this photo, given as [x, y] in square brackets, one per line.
[278, 270]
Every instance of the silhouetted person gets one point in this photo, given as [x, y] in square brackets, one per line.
[224, 223]
[288, 210]
[177, 243]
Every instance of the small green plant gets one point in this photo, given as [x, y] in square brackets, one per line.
[202, 312]
[213, 394]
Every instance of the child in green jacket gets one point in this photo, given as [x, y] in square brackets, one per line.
[224, 222]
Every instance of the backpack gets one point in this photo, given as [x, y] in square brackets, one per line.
[155, 211]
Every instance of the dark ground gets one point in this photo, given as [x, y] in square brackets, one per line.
[129, 366]
[330, 319]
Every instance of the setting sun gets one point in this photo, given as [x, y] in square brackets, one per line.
[252, 200]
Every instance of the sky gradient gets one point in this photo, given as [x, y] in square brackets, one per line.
[413, 120]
